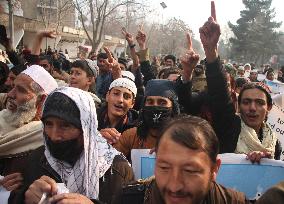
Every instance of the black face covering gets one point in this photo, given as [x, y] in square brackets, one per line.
[153, 116]
[68, 151]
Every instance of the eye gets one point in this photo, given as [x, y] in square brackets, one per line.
[126, 96]
[47, 124]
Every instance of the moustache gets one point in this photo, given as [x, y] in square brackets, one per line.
[179, 194]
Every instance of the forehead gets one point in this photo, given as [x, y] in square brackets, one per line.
[253, 94]
[44, 61]
[172, 152]
[158, 98]
[24, 81]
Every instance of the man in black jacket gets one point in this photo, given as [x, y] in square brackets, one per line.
[248, 131]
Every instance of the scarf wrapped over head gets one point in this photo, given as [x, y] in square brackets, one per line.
[97, 156]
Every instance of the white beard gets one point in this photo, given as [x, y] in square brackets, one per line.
[25, 113]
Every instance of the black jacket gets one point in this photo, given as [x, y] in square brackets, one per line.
[226, 123]
[38, 166]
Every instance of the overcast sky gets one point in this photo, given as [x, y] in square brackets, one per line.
[196, 12]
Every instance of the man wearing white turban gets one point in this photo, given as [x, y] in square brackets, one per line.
[20, 125]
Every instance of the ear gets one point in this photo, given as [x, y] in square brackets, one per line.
[90, 80]
[269, 107]
[107, 95]
[39, 106]
[215, 169]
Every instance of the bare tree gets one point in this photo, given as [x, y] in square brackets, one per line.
[93, 15]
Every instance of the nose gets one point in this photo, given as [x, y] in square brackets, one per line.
[175, 181]
[54, 134]
[252, 106]
[11, 94]
[8, 82]
[120, 98]
[72, 75]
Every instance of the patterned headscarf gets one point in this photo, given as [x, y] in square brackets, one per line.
[97, 156]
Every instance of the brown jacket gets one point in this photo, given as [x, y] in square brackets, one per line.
[129, 140]
[216, 195]
[273, 195]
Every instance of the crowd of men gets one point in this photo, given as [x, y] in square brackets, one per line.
[77, 122]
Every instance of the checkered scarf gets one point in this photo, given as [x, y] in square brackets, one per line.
[97, 156]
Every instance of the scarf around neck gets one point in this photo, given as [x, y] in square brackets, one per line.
[248, 140]
[97, 156]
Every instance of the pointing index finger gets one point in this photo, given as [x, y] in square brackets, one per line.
[189, 41]
[213, 11]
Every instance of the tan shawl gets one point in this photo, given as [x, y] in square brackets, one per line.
[248, 140]
[19, 140]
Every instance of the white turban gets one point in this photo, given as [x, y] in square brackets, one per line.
[42, 78]
[125, 83]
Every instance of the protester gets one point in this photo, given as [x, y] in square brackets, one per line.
[9, 83]
[170, 61]
[104, 78]
[82, 75]
[20, 126]
[180, 178]
[117, 114]
[74, 153]
[198, 79]
[160, 104]
[253, 76]
[245, 133]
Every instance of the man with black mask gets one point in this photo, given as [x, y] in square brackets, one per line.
[74, 153]
[160, 104]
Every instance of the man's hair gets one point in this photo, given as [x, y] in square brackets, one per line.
[170, 57]
[102, 55]
[248, 86]
[192, 132]
[169, 71]
[46, 57]
[82, 64]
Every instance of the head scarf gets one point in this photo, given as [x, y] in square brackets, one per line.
[97, 156]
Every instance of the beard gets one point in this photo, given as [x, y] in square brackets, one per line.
[24, 114]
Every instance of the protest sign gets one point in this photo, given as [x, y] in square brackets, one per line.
[253, 179]
[275, 86]
[143, 163]
[235, 172]
[275, 118]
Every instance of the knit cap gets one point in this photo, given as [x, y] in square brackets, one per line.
[61, 106]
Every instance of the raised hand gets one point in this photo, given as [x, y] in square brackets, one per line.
[141, 38]
[113, 65]
[189, 60]
[128, 37]
[209, 34]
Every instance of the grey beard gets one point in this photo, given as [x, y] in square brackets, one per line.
[25, 113]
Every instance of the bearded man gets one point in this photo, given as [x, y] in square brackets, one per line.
[20, 125]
